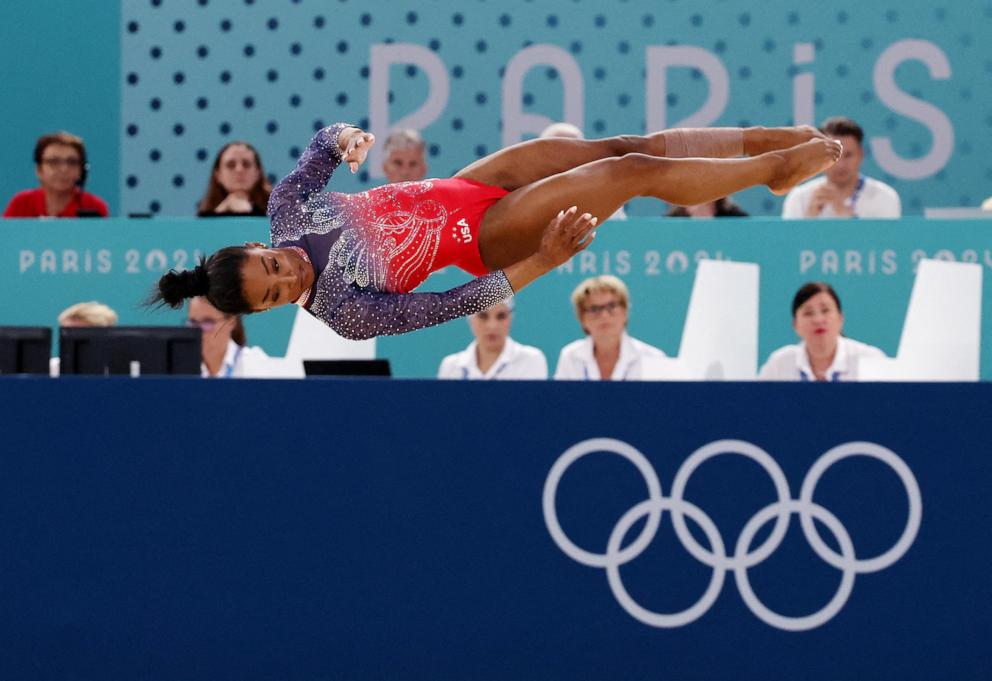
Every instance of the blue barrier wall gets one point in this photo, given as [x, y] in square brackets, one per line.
[47, 266]
[398, 530]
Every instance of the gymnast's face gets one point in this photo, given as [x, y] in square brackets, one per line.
[272, 277]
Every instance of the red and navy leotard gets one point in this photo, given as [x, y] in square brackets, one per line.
[369, 250]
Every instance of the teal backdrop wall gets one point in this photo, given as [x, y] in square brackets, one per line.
[474, 75]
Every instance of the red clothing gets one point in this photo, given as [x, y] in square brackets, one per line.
[30, 203]
[467, 201]
[424, 226]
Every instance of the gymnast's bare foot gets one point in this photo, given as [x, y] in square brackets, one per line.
[803, 161]
[759, 141]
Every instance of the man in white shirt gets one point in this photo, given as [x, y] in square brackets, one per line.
[493, 354]
[842, 191]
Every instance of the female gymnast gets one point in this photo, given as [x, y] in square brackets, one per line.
[352, 260]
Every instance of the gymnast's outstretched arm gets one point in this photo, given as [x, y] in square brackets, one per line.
[294, 199]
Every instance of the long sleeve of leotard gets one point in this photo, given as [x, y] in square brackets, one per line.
[290, 210]
[361, 314]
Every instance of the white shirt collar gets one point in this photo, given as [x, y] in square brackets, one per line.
[468, 361]
[837, 370]
[227, 366]
[628, 355]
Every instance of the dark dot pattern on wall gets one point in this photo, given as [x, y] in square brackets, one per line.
[196, 75]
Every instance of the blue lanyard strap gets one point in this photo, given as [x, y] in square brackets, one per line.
[857, 192]
[626, 373]
[833, 377]
[502, 366]
[229, 369]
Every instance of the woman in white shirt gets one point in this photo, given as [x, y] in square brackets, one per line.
[607, 353]
[225, 351]
[493, 354]
[823, 353]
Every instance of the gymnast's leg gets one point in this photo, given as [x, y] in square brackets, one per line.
[511, 229]
[527, 162]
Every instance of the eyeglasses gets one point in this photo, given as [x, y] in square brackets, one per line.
[56, 162]
[203, 324]
[610, 308]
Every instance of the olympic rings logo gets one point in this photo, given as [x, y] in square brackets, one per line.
[743, 557]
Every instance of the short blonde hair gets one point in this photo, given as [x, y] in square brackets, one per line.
[563, 130]
[90, 313]
[604, 283]
[402, 139]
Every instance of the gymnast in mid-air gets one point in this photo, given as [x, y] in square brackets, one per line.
[354, 260]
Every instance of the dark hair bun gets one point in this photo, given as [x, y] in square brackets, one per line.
[175, 287]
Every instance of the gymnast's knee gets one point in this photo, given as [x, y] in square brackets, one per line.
[636, 164]
[638, 173]
[621, 145]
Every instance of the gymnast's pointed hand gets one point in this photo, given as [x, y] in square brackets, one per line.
[355, 145]
[568, 233]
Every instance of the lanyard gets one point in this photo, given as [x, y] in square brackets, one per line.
[496, 373]
[857, 192]
[229, 369]
[832, 378]
[626, 372]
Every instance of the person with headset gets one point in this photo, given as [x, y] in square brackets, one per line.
[60, 164]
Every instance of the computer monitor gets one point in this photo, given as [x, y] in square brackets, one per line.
[347, 367]
[116, 349]
[25, 349]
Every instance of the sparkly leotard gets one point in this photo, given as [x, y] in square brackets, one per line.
[369, 250]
